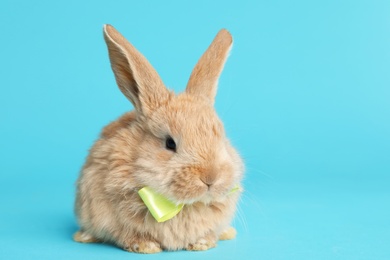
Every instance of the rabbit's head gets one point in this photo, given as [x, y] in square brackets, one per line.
[183, 151]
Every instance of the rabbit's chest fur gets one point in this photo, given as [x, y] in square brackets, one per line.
[194, 222]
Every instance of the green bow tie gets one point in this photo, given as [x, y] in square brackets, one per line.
[162, 208]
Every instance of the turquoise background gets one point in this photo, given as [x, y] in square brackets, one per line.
[305, 97]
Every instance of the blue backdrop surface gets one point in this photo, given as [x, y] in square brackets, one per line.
[305, 97]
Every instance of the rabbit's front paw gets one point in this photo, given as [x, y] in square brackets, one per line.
[201, 245]
[143, 247]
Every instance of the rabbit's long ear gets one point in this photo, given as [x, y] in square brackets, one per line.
[204, 77]
[135, 76]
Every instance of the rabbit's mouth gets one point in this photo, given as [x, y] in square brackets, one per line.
[205, 194]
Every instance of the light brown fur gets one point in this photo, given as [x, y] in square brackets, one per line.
[131, 154]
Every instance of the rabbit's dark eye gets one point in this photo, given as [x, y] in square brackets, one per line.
[170, 144]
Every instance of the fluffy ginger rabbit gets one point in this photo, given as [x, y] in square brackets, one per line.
[174, 144]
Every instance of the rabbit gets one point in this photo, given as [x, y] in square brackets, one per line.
[175, 144]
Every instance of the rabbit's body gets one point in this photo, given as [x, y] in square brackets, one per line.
[198, 169]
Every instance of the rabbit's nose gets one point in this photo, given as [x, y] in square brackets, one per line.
[207, 183]
[208, 179]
